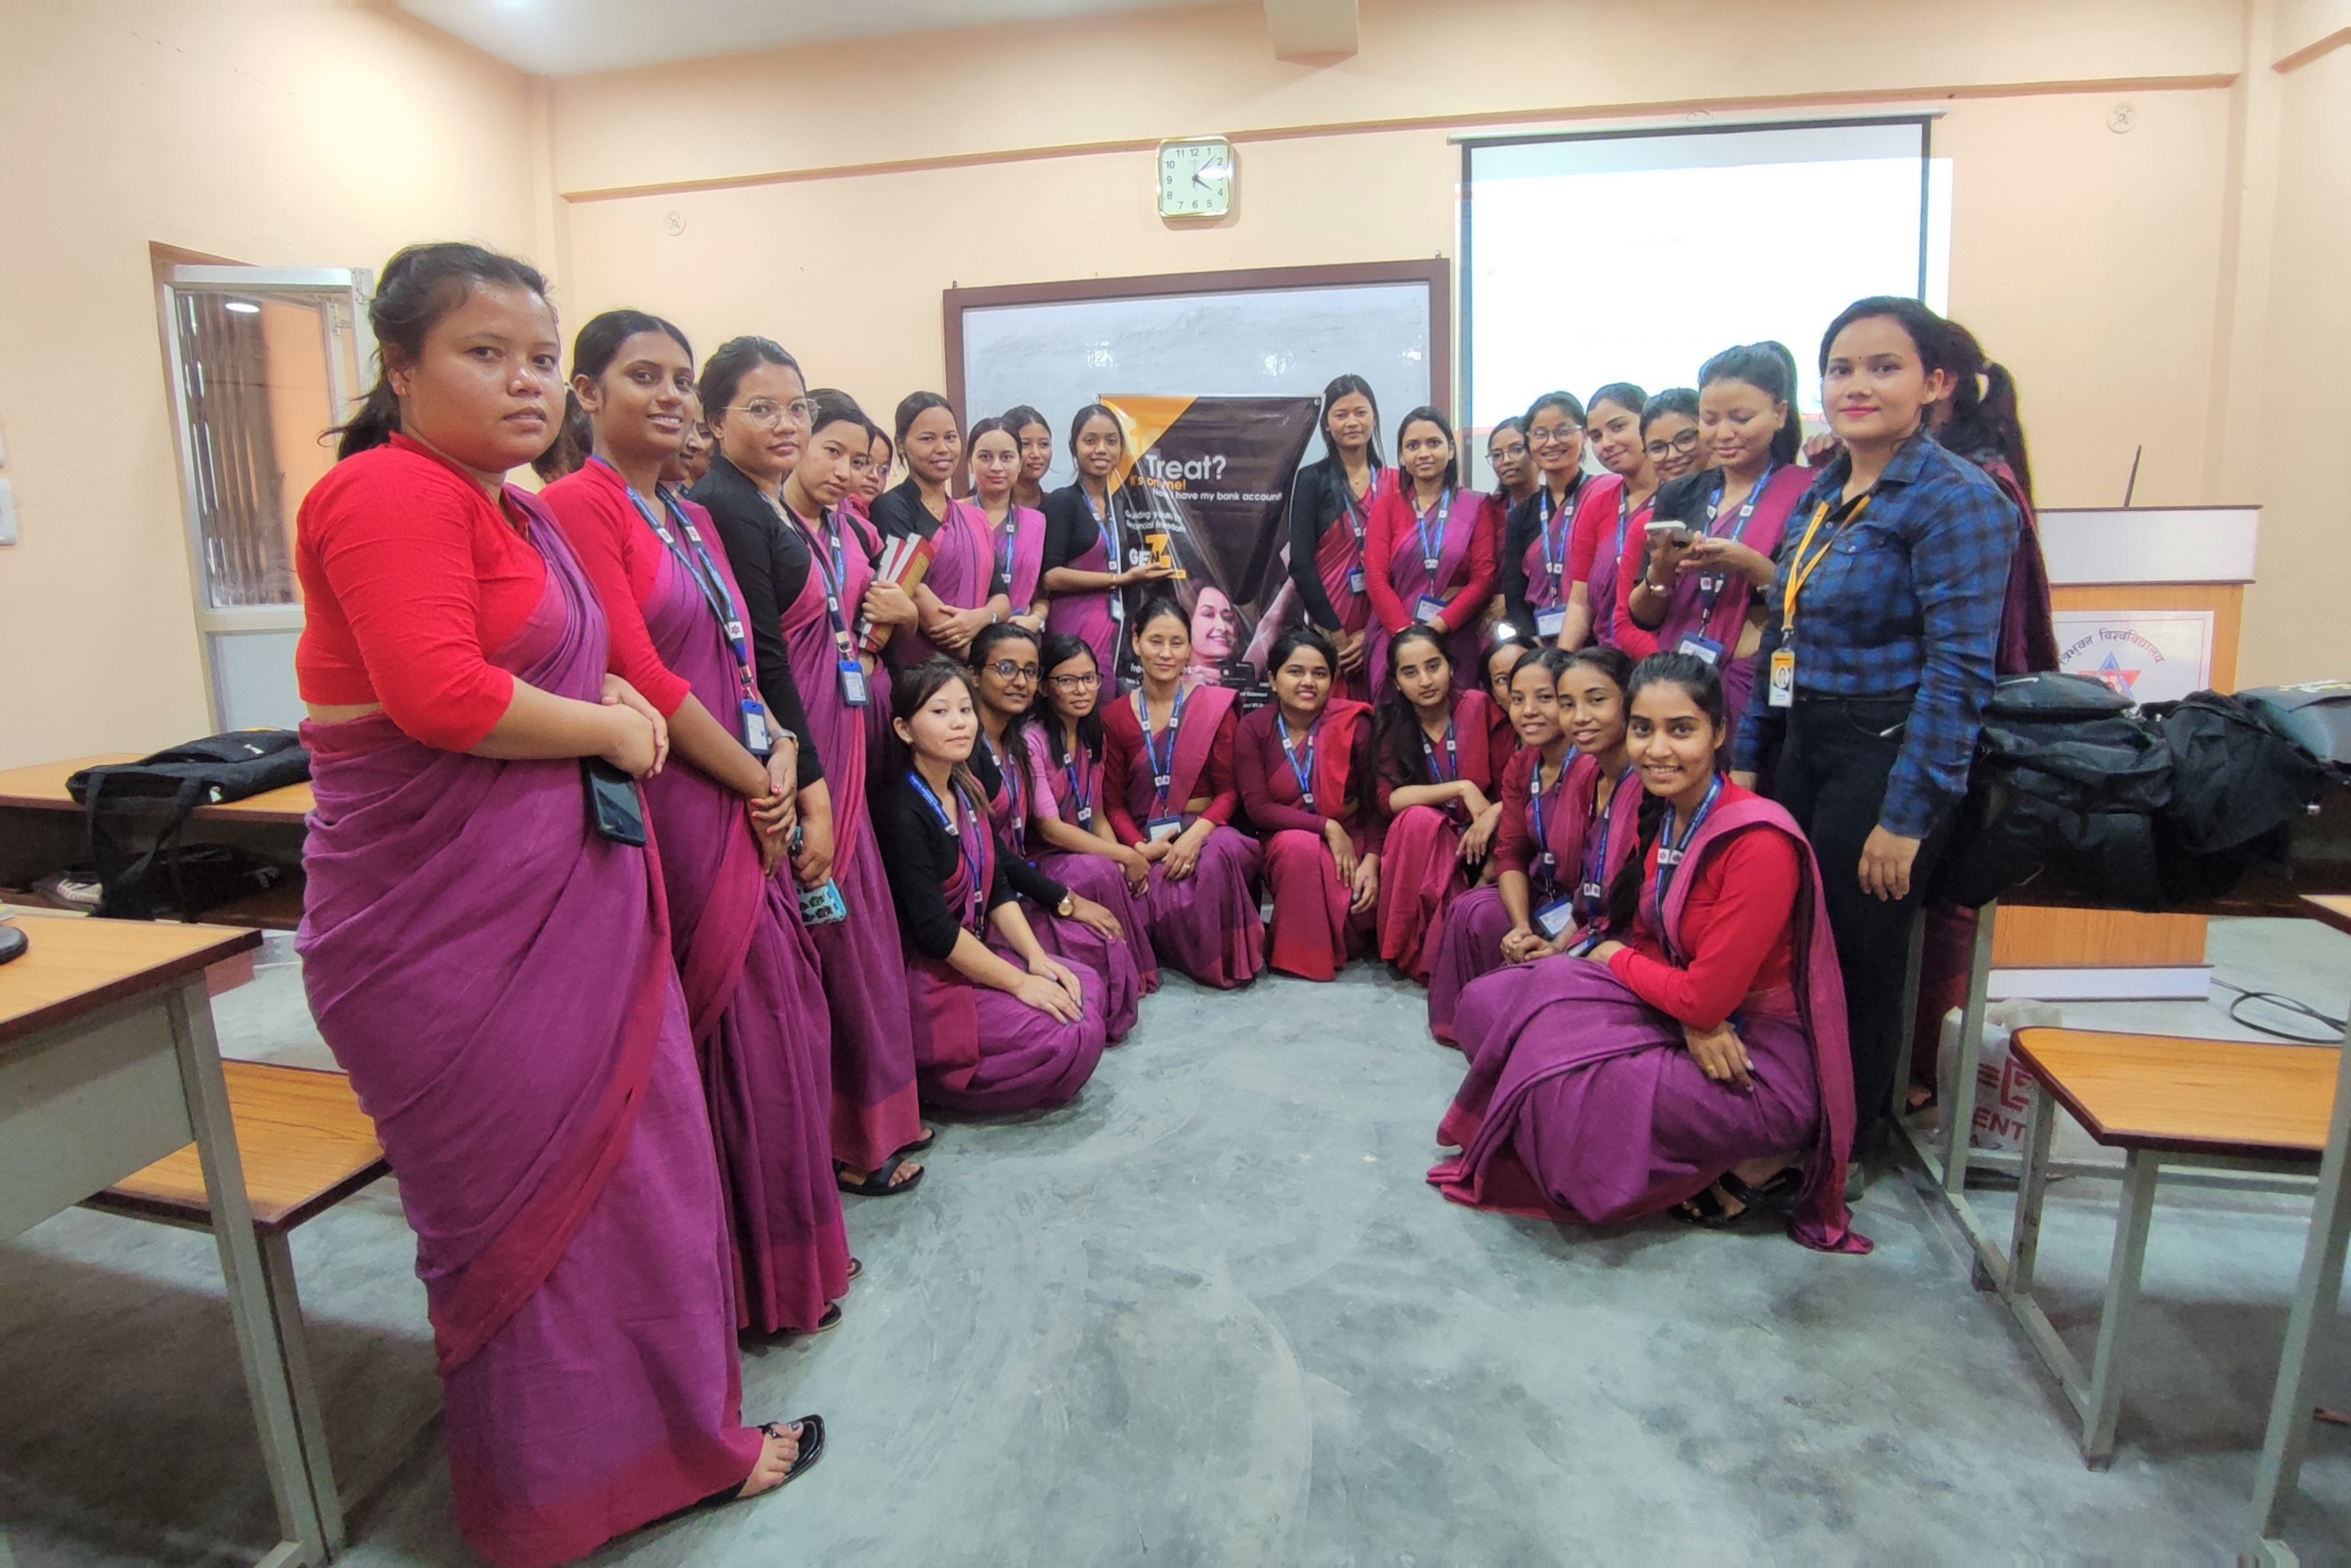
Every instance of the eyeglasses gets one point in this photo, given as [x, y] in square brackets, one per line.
[1510, 454]
[1552, 434]
[1005, 670]
[760, 411]
[1686, 442]
[1076, 683]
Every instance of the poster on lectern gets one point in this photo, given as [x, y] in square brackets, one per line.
[2146, 655]
[1206, 488]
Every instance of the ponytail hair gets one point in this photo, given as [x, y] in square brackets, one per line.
[735, 358]
[1701, 682]
[914, 406]
[592, 353]
[1983, 421]
[420, 284]
[1769, 368]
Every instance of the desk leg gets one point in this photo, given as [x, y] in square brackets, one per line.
[198, 1048]
[1960, 1115]
[1912, 968]
[2031, 1193]
[2314, 1298]
[2122, 1301]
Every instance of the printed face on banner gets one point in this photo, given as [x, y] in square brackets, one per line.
[1207, 495]
[2146, 655]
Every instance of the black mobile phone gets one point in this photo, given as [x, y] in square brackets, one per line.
[13, 943]
[613, 808]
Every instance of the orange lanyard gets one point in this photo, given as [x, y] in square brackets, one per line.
[1803, 566]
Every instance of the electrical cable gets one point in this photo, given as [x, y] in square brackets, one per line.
[2284, 1004]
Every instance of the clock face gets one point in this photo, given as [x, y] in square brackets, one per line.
[1195, 179]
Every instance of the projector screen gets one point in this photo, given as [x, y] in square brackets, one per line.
[1634, 257]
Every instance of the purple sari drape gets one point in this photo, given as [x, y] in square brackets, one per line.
[963, 563]
[982, 1049]
[1410, 578]
[1087, 615]
[1338, 561]
[1582, 1103]
[1056, 793]
[876, 1107]
[1207, 925]
[753, 990]
[1010, 812]
[1025, 562]
[496, 980]
[1766, 526]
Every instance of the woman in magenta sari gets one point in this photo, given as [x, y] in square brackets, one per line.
[1076, 844]
[1016, 533]
[1612, 510]
[1534, 586]
[999, 1023]
[1429, 551]
[1330, 516]
[1670, 438]
[1437, 791]
[1305, 769]
[1561, 833]
[1004, 671]
[547, 1128]
[962, 591]
[1702, 594]
[752, 989]
[806, 576]
[1087, 560]
[1688, 1051]
[1167, 784]
[1033, 439]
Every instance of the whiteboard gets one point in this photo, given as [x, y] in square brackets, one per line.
[1060, 355]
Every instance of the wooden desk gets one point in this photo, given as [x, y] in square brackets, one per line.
[2225, 1099]
[108, 1063]
[41, 832]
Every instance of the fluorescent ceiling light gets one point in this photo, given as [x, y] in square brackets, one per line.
[243, 307]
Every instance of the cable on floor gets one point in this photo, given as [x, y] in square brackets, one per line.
[2291, 1006]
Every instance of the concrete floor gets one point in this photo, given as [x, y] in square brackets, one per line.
[1212, 1314]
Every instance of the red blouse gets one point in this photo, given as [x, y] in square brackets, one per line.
[623, 558]
[1737, 928]
[1391, 519]
[1595, 514]
[1123, 753]
[1637, 640]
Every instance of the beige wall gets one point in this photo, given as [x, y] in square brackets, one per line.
[296, 132]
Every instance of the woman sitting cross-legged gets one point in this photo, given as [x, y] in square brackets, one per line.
[1304, 764]
[999, 1024]
[1075, 844]
[1439, 788]
[1691, 1054]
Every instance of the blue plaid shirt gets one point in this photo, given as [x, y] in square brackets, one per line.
[1907, 602]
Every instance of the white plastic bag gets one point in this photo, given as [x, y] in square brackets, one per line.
[2004, 1089]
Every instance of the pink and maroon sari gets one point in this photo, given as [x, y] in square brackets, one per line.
[963, 563]
[1618, 525]
[1014, 803]
[1715, 608]
[1421, 872]
[1087, 615]
[1408, 574]
[1339, 563]
[876, 1110]
[1208, 923]
[1470, 946]
[1017, 547]
[1582, 1103]
[1314, 929]
[496, 980]
[986, 1051]
[1073, 794]
[752, 990]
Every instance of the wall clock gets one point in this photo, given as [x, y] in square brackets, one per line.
[1195, 178]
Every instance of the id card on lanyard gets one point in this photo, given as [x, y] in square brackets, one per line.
[1432, 552]
[1589, 889]
[1710, 584]
[1080, 771]
[1449, 770]
[969, 846]
[1016, 792]
[1780, 691]
[1557, 913]
[1105, 524]
[692, 557]
[1670, 851]
[1551, 622]
[1357, 513]
[832, 570]
[1303, 773]
[1164, 823]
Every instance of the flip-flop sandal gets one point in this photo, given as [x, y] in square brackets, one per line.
[810, 1451]
[878, 1183]
[930, 1136]
[1707, 1212]
[855, 1268]
[1771, 1193]
[826, 1323]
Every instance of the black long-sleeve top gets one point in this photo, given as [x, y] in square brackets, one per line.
[920, 856]
[899, 513]
[1070, 526]
[771, 562]
[1318, 499]
[1519, 529]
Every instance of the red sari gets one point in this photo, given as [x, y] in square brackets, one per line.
[1421, 872]
[1461, 528]
[1315, 930]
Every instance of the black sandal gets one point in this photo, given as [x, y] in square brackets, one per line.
[855, 1268]
[810, 1451]
[1772, 1192]
[930, 1136]
[878, 1183]
[1706, 1211]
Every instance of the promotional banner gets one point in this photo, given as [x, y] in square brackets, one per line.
[1206, 488]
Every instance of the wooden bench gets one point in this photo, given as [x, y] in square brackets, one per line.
[305, 1146]
[2163, 1099]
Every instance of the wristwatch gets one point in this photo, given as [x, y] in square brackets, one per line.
[1068, 907]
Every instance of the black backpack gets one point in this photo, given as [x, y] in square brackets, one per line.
[2067, 784]
[2238, 786]
[2315, 716]
[168, 787]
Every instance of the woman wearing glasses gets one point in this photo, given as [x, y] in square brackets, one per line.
[752, 990]
[1537, 592]
[1515, 474]
[1330, 520]
[1672, 441]
[807, 575]
[1429, 551]
[1306, 774]
[1614, 510]
[1004, 674]
[1086, 556]
[962, 591]
[1075, 844]
[1016, 533]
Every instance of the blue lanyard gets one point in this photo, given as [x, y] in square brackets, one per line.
[1163, 771]
[1430, 554]
[1357, 512]
[1305, 775]
[1556, 563]
[969, 846]
[1670, 850]
[1008, 533]
[1105, 524]
[1595, 841]
[1711, 584]
[1082, 779]
[1535, 819]
[1450, 769]
[1016, 793]
[834, 573]
[706, 575]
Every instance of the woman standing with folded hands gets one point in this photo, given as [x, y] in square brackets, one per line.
[1429, 552]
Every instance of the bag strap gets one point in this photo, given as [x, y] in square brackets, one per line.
[114, 878]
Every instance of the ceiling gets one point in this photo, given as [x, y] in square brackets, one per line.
[565, 37]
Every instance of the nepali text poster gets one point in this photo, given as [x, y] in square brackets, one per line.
[2146, 655]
